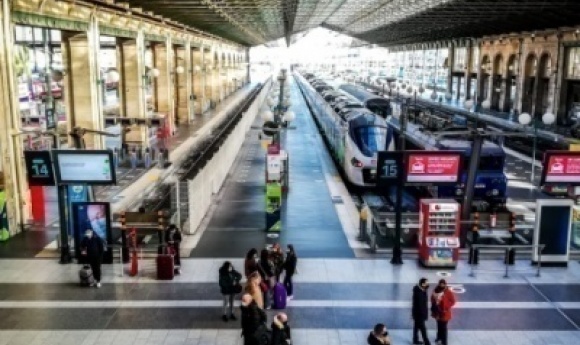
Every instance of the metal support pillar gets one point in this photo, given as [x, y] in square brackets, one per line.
[470, 185]
[65, 256]
[397, 250]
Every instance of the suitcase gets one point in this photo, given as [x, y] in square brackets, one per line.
[86, 276]
[165, 267]
[279, 296]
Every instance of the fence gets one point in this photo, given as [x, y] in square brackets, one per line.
[508, 249]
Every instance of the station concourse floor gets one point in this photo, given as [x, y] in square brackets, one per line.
[338, 298]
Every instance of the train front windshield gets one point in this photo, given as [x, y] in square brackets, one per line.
[492, 163]
[381, 107]
[370, 139]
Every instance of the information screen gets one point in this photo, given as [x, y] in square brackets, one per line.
[561, 167]
[433, 167]
[39, 168]
[84, 167]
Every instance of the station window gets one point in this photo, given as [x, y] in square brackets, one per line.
[574, 63]
[460, 59]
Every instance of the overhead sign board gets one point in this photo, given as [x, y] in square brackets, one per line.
[433, 166]
[39, 168]
[93, 167]
[561, 167]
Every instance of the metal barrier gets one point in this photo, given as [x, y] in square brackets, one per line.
[508, 248]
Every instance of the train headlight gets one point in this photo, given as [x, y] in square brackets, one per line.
[458, 191]
[356, 163]
[494, 192]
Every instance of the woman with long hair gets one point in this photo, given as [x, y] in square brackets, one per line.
[253, 288]
[267, 273]
[229, 280]
[251, 262]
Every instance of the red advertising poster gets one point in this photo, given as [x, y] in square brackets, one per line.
[433, 167]
[562, 168]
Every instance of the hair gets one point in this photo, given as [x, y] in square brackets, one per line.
[291, 248]
[379, 327]
[442, 282]
[254, 276]
[171, 227]
[226, 265]
[422, 281]
[251, 253]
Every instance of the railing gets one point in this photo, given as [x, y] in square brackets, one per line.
[508, 249]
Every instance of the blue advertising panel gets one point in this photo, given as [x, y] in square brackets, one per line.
[95, 216]
[75, 193]
[553, 229]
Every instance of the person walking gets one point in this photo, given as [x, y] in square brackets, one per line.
[281, 330]
[173, 240]
[379, 335]
[290, 268]
[251, 262]
[442, 300]
[266, 270]
[92, 249]
[253, 320]
[254, 289]
[420, 312]
[229, 280]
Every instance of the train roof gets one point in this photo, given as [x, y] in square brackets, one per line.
[364, 118]
[360, 93]
[428, 141]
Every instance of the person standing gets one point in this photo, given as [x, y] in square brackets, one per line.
[379, 335]
[442, 300]
[290, 267]
[229, 280]
[173, 240]
[280, 330]
[253, 319]
[277, 257]
[251, 262]
[267, 272]
[92, 250]
[254, 289]
[420, 311]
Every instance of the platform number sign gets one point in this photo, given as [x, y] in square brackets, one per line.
[39, 168]
[389, 166]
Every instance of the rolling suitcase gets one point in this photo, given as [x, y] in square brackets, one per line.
[279, 296]
[86, 276]
[165, 267]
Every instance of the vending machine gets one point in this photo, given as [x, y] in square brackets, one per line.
[438, 235]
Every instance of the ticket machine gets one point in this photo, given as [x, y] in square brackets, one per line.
[439, 232]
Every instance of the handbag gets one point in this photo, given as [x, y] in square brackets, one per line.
[236, 289]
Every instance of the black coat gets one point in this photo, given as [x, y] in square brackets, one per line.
[252, 318]
[372, 340]
[290, 264]
[420, 309]
[228, 280]
[280, 335]
[176, 236]
[94, 248]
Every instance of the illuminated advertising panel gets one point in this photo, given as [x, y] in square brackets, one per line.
[433, 166]
[561, 167]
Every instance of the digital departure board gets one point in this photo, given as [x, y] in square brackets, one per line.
[93, 167]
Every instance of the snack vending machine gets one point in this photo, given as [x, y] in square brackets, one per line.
[439, 232]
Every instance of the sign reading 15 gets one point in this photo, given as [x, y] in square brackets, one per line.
[40, 167]
[389, 168]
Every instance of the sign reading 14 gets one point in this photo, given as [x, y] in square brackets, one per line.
[40, 167]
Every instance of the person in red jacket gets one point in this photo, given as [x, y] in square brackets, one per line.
[442, 300]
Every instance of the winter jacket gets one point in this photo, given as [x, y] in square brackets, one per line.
[290, 264]
[175, 237]
[228, 280]
[94, 248]
[444, 301]
[420, 310]
[374, 340]
[266, 269]
[280, 333]
[252, 318]
[250, 266]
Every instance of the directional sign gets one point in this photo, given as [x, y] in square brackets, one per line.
[39, 168]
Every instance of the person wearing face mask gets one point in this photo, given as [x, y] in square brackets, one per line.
[280, 330]
[251, 262]
[420, 311]
[290, 267]
[229, 280]
[92, 250]
[173, 240]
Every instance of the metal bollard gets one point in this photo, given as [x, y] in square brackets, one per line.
[116, 157]
[133, 157]
[147, 158]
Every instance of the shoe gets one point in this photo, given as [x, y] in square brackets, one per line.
[233, 317]
[290, 297]
[269, 307]
[98, 285]
[225, 318]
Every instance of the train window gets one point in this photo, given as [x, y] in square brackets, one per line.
[495, 163]
[379, 107]
[370, 139]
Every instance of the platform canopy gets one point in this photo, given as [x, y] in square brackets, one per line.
[384, 22]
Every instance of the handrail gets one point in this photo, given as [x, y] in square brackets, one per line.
[508, 248]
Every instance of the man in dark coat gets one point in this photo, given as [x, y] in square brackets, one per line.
[253, 320]
[92, 250]
[420, 311]
[281, 330]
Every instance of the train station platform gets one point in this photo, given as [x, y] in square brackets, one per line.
[310, 216]
[40, 240]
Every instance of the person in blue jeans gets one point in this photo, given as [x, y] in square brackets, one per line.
[290, 268]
